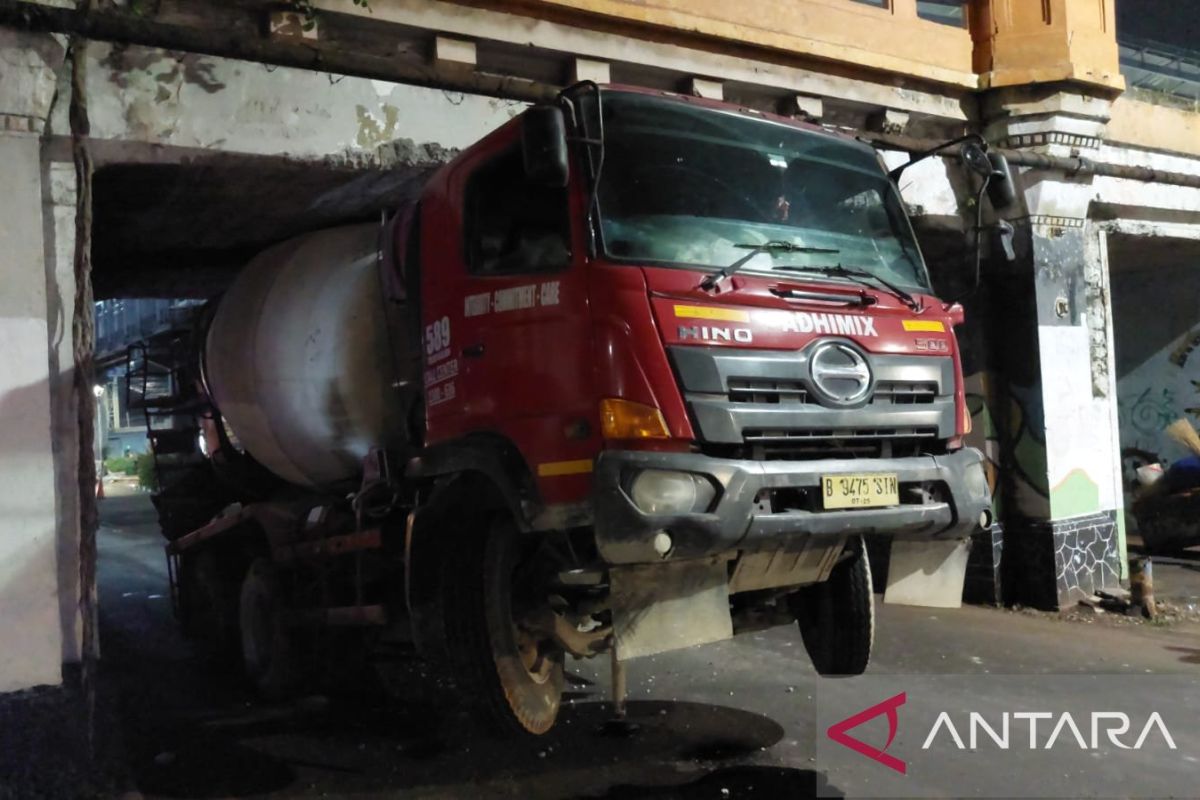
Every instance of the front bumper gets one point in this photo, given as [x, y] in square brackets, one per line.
[743, 517]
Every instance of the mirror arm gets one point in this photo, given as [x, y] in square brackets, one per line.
[978, 234]
[895, 174]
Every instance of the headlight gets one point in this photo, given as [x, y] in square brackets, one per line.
[660, 491]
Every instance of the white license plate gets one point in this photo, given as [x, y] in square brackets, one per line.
[860, 490]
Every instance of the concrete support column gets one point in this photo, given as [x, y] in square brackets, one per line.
[31, 635]
[59, 193]
[1019, 42]
[1059, 484]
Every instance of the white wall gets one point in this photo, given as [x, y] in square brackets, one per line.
[30, 630]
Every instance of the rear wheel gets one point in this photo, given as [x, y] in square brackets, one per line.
[268, 650]
[837, 617]
[209, 605]
[512, 674]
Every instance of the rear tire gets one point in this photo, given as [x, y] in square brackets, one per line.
[514, 685]
[837, 617]
[268, 648]
[209, 606]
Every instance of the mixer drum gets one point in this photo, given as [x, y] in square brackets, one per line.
[298, 360]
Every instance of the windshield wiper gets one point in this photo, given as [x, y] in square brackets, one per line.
[775, 246]
[863, 277]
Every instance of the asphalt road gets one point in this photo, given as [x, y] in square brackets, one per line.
[735, 719]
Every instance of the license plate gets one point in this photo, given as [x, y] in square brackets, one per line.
[860, 490]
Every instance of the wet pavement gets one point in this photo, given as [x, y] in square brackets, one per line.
[734, 719]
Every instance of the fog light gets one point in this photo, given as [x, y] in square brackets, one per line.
[660, 491]
[985, 519]
[663, 543]
[975, 478]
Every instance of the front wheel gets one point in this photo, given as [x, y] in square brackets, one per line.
[511, 674]
[837, 617]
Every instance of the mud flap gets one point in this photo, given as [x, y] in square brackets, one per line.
[661, 607]
[925, 573]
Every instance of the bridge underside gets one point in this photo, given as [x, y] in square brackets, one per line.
[183, 229]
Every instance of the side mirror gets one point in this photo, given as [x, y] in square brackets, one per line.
[1001, 192]
[544, 146]
[975, 158]
[1001, 189]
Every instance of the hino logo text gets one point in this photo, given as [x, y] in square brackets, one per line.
[713, 334]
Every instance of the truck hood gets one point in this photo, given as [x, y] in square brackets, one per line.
[787, 313]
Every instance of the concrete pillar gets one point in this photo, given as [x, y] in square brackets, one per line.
[1054, 390]
[31, 635]
[59, 220]
[1019, 42]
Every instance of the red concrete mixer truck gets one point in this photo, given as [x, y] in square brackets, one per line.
[635, 372]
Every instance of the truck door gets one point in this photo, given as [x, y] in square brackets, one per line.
[507, 316]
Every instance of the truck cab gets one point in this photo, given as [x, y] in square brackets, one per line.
[707, 339]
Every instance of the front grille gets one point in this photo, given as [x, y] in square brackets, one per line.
[761, 403]
[898, 393]
[775, 392]
[743, 390]
[847, 435]
[808, 443]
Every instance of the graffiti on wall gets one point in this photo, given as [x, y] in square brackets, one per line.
[1150, 412]
[1163, 389]
[1018, 441]
[1008, 427]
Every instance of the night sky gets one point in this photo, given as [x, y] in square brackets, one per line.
[1175, 22]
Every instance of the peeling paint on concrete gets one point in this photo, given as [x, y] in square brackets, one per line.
[1096, 295]
[373, 131]
[27, 73]
[165, 98]
[407, 153]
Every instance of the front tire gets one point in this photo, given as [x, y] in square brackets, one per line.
[837, 617]
[513, 680]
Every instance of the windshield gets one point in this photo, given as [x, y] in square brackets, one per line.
[689, 186]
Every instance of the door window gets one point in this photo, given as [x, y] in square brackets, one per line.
[514, 226]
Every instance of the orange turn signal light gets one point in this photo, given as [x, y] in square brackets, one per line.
[625, 419]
